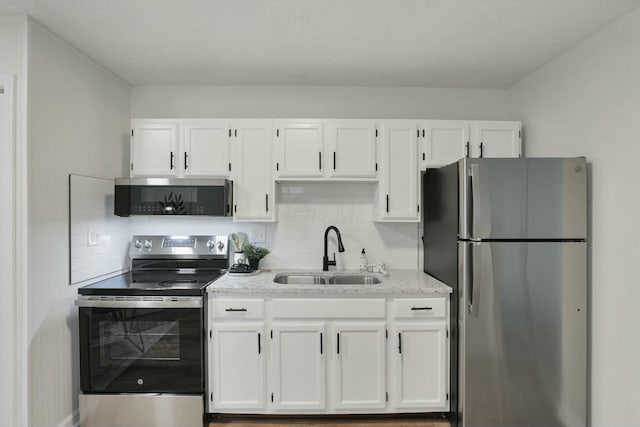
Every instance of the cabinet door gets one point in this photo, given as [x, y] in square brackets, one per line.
[360, 367]
[206, 148]
[443, 142]
[254, 187]
[496, 139]
[236, 374]
[298, 371]
[300, 149]
[154, 149]
[420, 367]
[352, 148]
[398, 200]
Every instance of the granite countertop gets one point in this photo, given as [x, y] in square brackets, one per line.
[396, 282]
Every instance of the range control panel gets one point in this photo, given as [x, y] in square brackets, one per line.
[179, 247]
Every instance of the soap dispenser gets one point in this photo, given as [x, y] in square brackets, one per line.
[363, 261]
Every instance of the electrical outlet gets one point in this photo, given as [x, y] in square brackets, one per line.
[259, 235]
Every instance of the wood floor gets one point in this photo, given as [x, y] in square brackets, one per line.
[321, 422]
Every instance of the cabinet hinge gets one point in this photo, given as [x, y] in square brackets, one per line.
[271, 397]
[386, 396]
[131, 132]
[229, 167]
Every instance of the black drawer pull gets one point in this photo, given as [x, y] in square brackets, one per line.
[259, 343]
[400, 342]
[235, 309]
[421, 308]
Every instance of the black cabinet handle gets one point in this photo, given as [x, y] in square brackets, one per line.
[400, 342]
[235, 309]
[334, 160]
[266, 202]
[320, 342]
[421, 308]
[186, 165]
[387, 203]
[338, 342]
[466, 147]
[320, 160]
[171, 161]
[481, 150]
[259, 344]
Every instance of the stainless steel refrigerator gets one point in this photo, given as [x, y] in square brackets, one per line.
[509, 235]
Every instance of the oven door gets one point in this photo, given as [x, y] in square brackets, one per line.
[146, 349]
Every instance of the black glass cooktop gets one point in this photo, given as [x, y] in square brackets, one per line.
[176, 283]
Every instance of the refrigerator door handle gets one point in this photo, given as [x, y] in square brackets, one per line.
[474, 201]
[475, 279]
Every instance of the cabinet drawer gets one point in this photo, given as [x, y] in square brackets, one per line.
[328, 308]
[236, 308]
[419, 308]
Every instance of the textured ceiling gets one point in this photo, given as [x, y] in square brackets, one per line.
[432, 43]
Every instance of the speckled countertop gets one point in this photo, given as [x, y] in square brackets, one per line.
[396, 282]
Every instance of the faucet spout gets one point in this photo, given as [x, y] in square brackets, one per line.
[325, 259]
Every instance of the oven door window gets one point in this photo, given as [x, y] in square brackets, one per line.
[141, 350]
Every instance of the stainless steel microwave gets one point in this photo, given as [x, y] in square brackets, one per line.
[173, 196]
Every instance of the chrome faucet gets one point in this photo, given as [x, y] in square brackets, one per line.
[325, 259]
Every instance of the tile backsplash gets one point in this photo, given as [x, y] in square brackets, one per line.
[305, 210]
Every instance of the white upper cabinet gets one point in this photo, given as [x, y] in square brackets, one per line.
[397, 196]
[205, 150]
[496, 139]
[154, 148]
[300, 149]
[197, 148]
[254, 186]
[443, 142]
[351, 148]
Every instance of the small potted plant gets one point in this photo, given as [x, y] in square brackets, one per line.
[254, 254]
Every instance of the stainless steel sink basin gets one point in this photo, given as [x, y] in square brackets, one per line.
[315, 279]
[353, 279]
[299, 279]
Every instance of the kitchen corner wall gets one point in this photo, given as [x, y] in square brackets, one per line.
[78, 123]
[587, 103]
[305, 210]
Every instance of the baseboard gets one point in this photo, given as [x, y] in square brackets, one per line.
[73, 420]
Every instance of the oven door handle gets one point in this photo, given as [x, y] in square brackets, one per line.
[165, 302]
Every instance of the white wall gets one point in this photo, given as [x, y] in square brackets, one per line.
[78, 123]
[13, 46]
[318, 102]
[296, 239]
[587, 102]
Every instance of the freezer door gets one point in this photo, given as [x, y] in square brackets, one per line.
[534, 198]
[523, 360]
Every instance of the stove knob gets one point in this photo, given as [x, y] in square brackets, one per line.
[210, 244]
[138, 244]
[220, 245]
[147, 244]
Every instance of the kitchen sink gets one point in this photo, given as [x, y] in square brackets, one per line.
[315, 279]
[353, 279]
[299, 279]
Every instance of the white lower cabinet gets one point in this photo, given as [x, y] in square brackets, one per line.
[419, 366]
[237, 371]
[298, 366]
[323, 356]
[360, 364]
